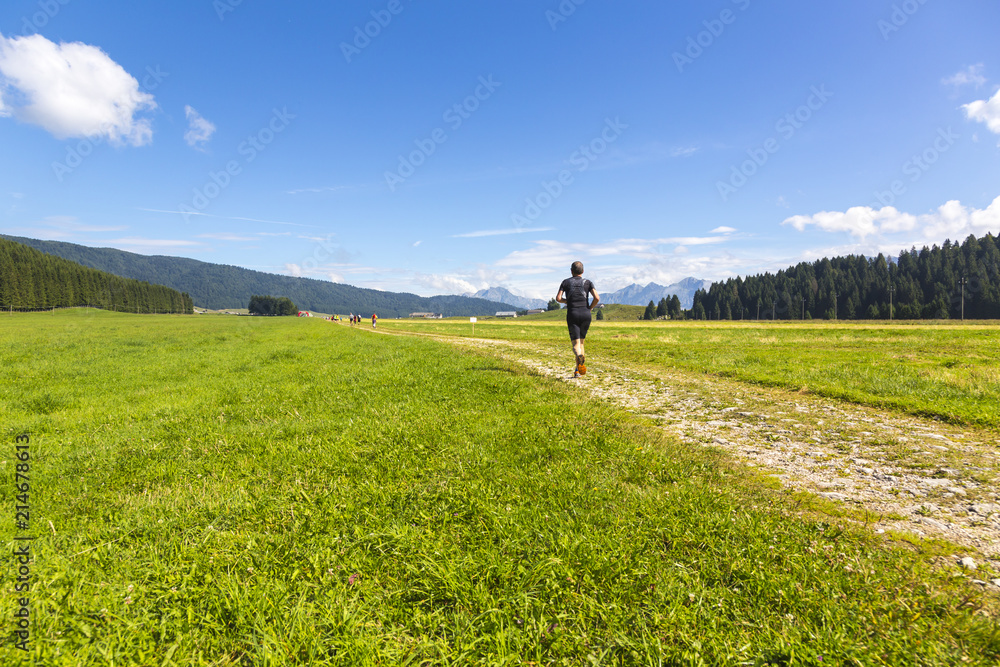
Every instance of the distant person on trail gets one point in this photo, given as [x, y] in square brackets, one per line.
[575, 292]
[374, 320]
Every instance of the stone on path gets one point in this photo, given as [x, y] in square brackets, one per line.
[967, 563]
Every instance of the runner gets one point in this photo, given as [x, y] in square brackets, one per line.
[575, 293]
[374, 320]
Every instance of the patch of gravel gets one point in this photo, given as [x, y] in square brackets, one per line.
[905, 473]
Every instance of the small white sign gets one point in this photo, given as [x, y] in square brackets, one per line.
[472, 319]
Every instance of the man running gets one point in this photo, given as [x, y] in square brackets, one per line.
[374, 320]
[575, 293]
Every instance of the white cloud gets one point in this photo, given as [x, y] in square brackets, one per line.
[723, 230]
[460, 282]
[951, 220]
[223, 217]
[447, 284]
[954, 221]
[971, 75]
[684, 151]
[226, 237]
[696, 240]
[501, 232]
[546, 257]
[859, 221]
[294, 269]
[331, 188]
[70, 224]
[72, 90]
[62, 227]
[986, 112]
[152, 246]
[155, 243]
[199, 131]
[416, 244]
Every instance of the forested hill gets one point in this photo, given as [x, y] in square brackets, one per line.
[33, 280]
[923, 284]
[219, 286]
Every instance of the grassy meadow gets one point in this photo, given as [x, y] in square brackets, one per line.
[210, 490]
[946, 371]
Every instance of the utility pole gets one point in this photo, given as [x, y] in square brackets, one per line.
[773, 306]
[892, 290]
[803, 309]
[758, 310]
[835, 305]
[963, 282]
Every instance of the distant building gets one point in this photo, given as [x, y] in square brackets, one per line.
[428, 316]
[536, 311]
[507, 313]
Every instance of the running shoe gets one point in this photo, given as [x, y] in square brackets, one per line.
[581, 367]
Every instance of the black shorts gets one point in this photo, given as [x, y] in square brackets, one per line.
[578, 322]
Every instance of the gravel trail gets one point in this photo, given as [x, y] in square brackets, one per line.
[909, 474]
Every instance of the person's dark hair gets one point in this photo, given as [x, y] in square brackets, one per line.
[576, 268]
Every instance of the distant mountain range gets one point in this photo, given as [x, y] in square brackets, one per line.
[637, 295]
[504, 295]
[218, 286]
[633, 295]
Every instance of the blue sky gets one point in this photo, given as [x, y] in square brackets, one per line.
[442, 147]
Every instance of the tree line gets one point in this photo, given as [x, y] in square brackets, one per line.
[33, 280]
[219, 286]
[950, 281]
[665, 309]
[271, 305]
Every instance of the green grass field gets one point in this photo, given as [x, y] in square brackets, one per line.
[944, 371]
[272, 491]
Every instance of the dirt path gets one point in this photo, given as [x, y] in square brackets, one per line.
[910, 474]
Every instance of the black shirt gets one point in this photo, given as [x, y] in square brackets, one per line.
[577, 290]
